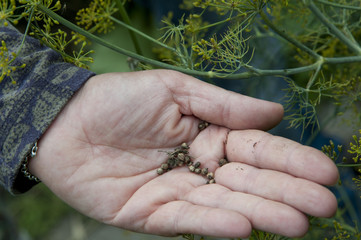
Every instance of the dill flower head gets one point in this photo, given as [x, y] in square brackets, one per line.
[7, 9]
[355, 148]
[96, 17]
[6, 59]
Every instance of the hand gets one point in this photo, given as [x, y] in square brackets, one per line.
[101, 154]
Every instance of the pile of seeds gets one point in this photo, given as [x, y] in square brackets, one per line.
[177, 158]
[180, 157]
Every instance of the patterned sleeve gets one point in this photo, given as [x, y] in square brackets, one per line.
[30, 99]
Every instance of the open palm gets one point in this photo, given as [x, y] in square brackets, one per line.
[101, 155]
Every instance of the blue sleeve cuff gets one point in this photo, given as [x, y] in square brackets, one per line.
[27, 107]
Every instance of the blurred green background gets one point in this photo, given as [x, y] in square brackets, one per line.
[39, 214]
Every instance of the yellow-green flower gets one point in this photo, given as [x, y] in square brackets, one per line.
[7, 9]
[6, 58]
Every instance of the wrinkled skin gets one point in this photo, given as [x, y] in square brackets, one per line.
[101, 154]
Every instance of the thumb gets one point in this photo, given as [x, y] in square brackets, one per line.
[219, 106]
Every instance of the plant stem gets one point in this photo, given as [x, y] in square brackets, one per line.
[313, 78]
[338, 60]
[217, 23]
[252, 72]
[99, 40]
[333, 29]
[125, 17]
[288, 38]
[339, 5]
[141, 33]
[26, 31]
[348, 165]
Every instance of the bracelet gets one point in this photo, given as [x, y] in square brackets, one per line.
[24, 169]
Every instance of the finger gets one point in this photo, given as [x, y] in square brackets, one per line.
[159, 208]
[263, 150]
[265, 215]
[304, 195]
[219, 106]
[180, 217]
[208, 147]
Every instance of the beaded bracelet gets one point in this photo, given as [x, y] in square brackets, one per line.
[24, 169]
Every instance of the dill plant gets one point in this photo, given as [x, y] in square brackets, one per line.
[322, 40]
[6, 59]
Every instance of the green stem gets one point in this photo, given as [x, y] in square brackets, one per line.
[348, 165]
[253, 72]
[25, 33]
[333, 29]
[288, 38]
[126, 19]
[314, 77]
[228, 19]
[326, 2]
[214, 24]
[338, 60]
[141, 33]
[117, 49]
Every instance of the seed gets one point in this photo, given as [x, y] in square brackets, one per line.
[179, 150]
[210, 175]
[181, 156]
[160, 171]
[222, 162]
[202, 125]
[204, 171]
[192, 168]
[197, 170]
[184, 146]
[164, 166]
[211, 181]
[185, 151]
[197, 164]
[171, 162]
[187, 159]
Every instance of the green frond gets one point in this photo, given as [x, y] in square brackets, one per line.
[300, 109]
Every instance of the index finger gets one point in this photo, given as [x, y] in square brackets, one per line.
[264, 150]
[219, 106]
